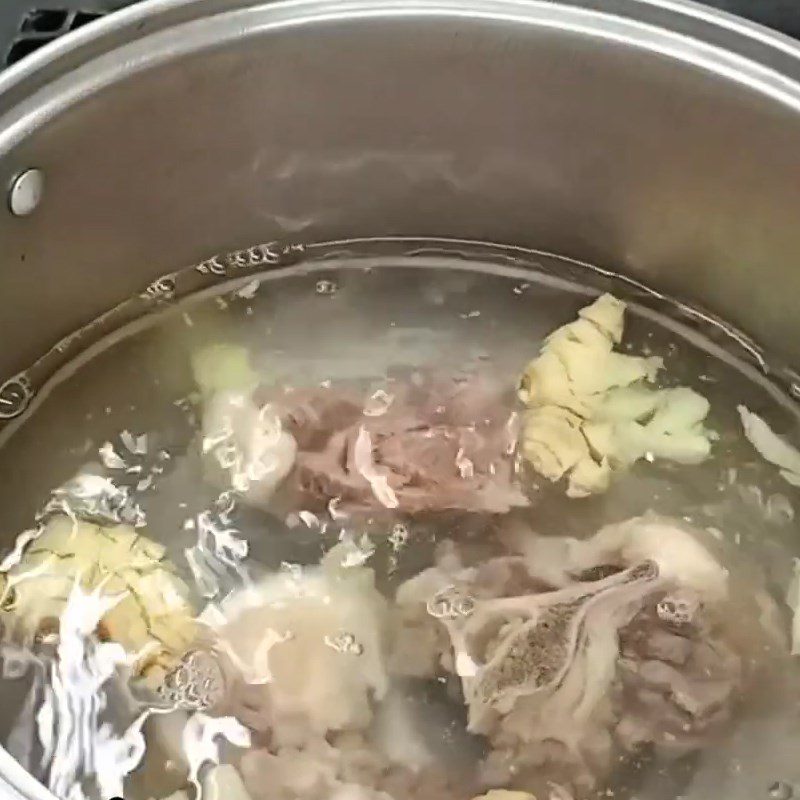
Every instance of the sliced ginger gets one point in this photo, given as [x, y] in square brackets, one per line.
[153, 619]
[592, 410]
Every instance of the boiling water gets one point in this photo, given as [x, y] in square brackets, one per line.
[352, 325]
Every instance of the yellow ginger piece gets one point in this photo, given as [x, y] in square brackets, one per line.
[592, 410]
[153, 620]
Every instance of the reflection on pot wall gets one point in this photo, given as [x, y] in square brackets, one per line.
[502, 130]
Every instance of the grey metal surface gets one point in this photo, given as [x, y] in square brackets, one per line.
[18, 37]
[626, 137]
[656, 138]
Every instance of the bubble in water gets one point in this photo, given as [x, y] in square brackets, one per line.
[196, 684]
[465, 606]
[326, 287]
[398, 538]
[450, 603]
[15, 394]
[378, 403]
[345, 643]
[678, 609]
[160, 289]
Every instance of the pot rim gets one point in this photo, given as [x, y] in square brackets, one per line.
[135, 38]
[148, 16]
[138, 36]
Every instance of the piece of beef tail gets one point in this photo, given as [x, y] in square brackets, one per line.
[439, 445]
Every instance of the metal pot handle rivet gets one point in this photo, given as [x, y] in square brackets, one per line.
[26, 192]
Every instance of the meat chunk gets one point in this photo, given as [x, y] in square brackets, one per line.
[577, 652]
[678, 686]
[436, 446]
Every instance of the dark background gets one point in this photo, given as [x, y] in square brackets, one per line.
[27, 24]
[780, 15]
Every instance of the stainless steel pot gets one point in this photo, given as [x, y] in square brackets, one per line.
[653, 137]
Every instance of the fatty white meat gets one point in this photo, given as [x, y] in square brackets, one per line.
[311, 646]
[659, 637]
